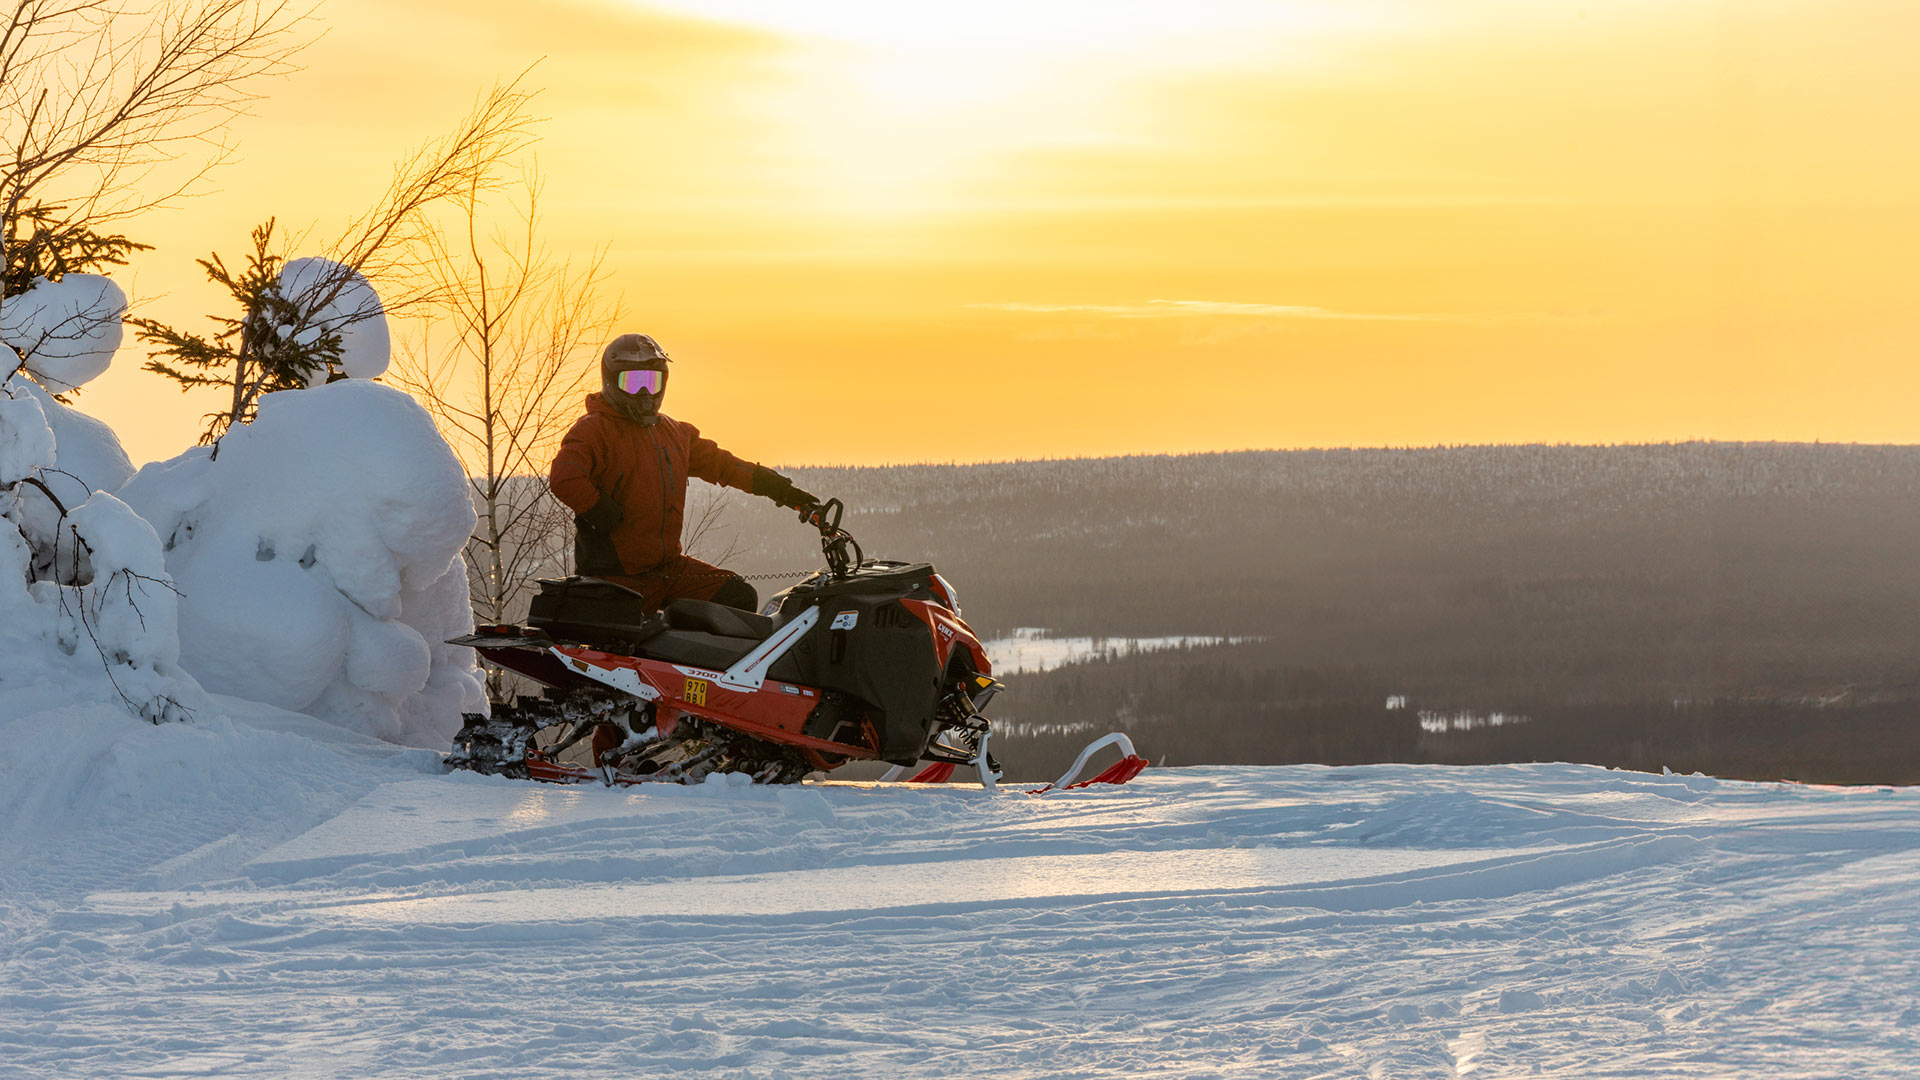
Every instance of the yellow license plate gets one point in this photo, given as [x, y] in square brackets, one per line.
[696, 692]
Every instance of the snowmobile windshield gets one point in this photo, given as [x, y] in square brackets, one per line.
[642, 380]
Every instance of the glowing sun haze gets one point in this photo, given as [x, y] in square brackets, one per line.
[877, 232]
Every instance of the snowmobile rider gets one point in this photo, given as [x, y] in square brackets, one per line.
[623, 470]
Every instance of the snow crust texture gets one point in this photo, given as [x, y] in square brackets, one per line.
[267, 895]
[318, 557]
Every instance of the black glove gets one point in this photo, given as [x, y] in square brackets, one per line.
[771, 485]
[604, 516]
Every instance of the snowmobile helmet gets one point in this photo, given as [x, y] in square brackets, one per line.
[633, 376]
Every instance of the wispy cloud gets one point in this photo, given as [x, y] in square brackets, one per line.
[1176, 309]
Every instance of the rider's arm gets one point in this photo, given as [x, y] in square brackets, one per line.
[571, 476]
[707, 461]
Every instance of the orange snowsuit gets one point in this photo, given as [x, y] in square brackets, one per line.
[644, 469]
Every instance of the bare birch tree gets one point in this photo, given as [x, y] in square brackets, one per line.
[505, 384]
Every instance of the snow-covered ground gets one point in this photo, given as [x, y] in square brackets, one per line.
[1029, 649]
[268, 895]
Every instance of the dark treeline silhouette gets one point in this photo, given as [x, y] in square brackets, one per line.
[1244, 705]
[1745, 609]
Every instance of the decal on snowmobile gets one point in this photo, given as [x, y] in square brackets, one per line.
[751, 670]
[846, 620]
[620, 678]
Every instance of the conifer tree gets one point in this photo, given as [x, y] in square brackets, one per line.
[42, 245]
[257, 351]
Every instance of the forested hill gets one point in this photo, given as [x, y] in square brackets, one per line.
[1468, 577]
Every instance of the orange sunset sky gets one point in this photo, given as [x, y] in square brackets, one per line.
[881, 232]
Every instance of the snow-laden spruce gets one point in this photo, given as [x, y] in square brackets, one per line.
[87, 612]
[26, 439]
[333, 298]
[67, 330]
[91, 457]
[313, 563]
[319, 559]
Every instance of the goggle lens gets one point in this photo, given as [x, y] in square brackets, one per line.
[642, 380]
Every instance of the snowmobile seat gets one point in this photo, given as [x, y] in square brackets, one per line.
[718, 619]
[707, 635]
[696, 648]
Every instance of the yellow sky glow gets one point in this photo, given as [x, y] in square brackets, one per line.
[1027, 228]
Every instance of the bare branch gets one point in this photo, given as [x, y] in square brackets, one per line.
[95, 95]
[521, 332]
[99, 98]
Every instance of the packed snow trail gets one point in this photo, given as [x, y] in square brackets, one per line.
[269, 896]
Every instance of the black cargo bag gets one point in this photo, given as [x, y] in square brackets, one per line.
[593, 611]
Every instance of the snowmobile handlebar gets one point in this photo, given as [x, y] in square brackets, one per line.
[824, 516]
[838, 545]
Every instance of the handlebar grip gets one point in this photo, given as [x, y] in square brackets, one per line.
[825, 516]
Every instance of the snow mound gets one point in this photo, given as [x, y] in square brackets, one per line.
[318, 552]
[87, 611]
[335, 299]
[26, 439]
[144, 802]
[67, 330]
[90, 455]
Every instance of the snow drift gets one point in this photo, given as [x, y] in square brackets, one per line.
[268, 896]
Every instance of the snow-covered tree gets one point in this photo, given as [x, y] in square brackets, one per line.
[85, 598]
[41, 243]
[295, 322]
[319, 561]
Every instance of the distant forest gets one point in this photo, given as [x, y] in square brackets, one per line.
[1743, 609]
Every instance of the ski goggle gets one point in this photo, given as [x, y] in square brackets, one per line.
[642, 380]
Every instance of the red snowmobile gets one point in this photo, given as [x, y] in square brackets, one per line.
[864, 660]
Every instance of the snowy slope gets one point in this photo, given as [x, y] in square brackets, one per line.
[265, 895]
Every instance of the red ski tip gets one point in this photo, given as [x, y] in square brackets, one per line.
[937, 773]
[1119, 772]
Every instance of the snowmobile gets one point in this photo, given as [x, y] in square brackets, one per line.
[863, 660]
